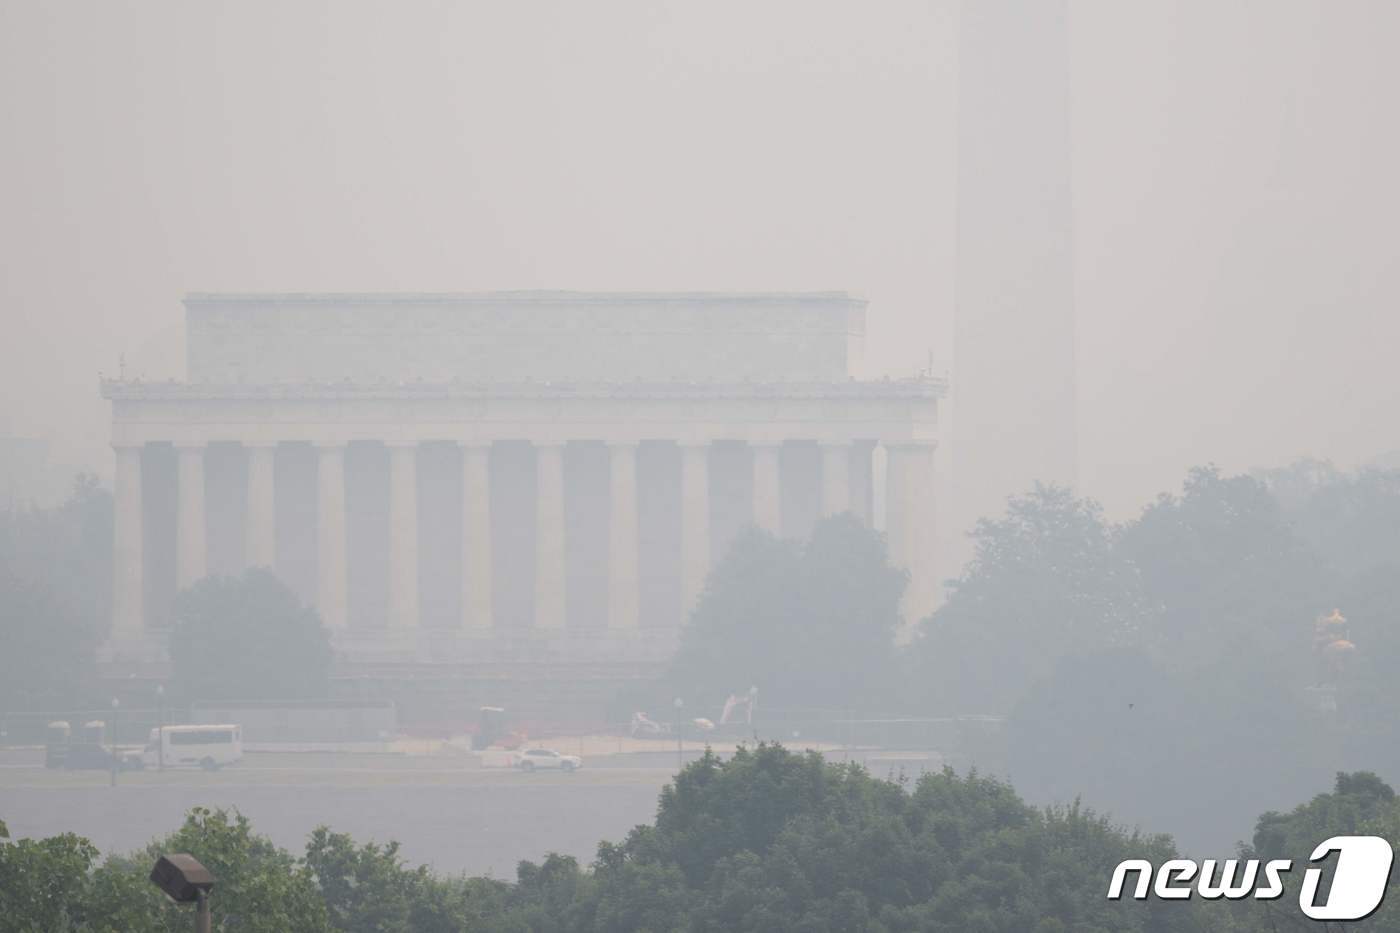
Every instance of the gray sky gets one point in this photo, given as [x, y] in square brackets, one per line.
[1234, 180]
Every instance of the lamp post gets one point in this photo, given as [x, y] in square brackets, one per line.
[112, 752]
[185, 881]
[680, 753]
[753, 704]
[160, 727]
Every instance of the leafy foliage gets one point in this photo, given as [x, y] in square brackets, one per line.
[771, 841]
[37, 881]
[55, 584]
[1227, 574]
[248, 638]
[1350, 521]
[1360, 804]
[259, 887]
[1177, 650]
[369, 889]
[809, 624]
[767, 840]
[1046, 581]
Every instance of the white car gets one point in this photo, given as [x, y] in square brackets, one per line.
[533, 758]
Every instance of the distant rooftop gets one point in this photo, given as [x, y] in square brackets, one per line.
[526, 297]
[523, 336]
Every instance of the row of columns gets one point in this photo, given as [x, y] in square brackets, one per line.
[908, 526]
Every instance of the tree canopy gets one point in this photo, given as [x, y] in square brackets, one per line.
[767, 840]
[1179, 648]
[248, 638]
[1046, 581]
[807, 623]
[55, 584]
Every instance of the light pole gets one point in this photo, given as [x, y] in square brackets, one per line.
[753, 704]
[185, 881]
[112, 751]
[680, 753]
[160, 727]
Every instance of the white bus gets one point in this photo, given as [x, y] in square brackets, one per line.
[207, 747]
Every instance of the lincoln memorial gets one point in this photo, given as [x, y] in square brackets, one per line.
[511, 475]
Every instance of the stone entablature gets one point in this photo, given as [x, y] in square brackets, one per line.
[513, 336]
[893, 411]
[923, 389]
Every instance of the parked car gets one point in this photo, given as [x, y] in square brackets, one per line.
[89, 756]
[532, 758]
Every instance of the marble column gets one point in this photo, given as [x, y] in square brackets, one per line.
[695, 524]
[191, 536]
[909, 523]
[549, 537]
[128, 574]
[260, 529]
[836, 479]
[330, 535]
[403, 536]
[623, 575]
[767, 493]
[477, 611]
[863, 482]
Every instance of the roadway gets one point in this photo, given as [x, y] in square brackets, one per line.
[444, 810]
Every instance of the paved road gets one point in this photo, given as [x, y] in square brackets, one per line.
[454, 818]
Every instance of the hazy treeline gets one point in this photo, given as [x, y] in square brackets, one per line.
[766, 841]
[55, 599]
[1232, 571]
[1172, 668]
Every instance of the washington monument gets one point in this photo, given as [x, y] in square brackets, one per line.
[1013, 418]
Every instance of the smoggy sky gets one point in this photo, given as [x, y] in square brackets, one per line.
[1235, 189]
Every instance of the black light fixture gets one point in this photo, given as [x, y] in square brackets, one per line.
[185, 881]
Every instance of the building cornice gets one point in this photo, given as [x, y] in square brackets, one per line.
[915, 389]
[518, 298]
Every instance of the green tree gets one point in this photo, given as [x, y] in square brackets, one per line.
[366, 888]
[55, 584]
[1231, 582]
[1359, 804]
[259, 887]
[1209, 692]
[809, 623]
[248, 638]
[1162, 747]
[1368, 692]
[767, 840]
[774, 841]
[1046, 581]
[44, 882]
[1350, 520]
[50, 651]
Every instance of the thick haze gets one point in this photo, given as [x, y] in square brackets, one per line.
[1233, 173]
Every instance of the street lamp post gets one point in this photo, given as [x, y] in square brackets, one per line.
[112, 753]
[680, 752]
[185, 881]
[160, 727]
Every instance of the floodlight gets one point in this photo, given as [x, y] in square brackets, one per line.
[182, 878]
[185, 881]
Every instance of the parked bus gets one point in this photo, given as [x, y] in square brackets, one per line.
[207, 747]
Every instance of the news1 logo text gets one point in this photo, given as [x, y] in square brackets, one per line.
[1359, 879]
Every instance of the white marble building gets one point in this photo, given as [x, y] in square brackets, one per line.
[515, 475]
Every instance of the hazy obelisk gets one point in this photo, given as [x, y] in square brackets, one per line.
[1013, 418]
